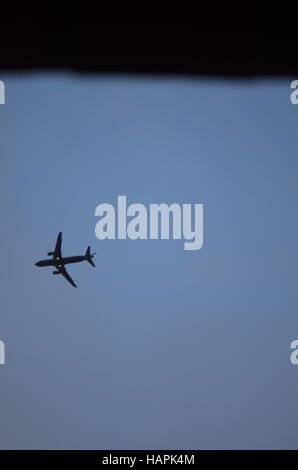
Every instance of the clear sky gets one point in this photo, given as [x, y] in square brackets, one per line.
[158, 347]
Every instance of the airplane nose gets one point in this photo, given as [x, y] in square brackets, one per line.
[37, 264]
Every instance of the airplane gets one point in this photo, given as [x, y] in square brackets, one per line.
[59, 262]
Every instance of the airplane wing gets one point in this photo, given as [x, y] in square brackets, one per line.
[66, 275]
[57, 252]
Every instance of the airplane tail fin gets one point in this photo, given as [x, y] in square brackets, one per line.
[89, 256]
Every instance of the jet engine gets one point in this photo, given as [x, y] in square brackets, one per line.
[51, 253]
[56, 272]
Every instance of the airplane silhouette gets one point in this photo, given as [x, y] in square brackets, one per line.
[59, 262]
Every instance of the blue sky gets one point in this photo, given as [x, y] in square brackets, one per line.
[158, 347]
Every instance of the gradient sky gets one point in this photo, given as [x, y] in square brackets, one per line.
[158, 347]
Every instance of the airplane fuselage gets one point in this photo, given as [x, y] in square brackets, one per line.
[60, 261]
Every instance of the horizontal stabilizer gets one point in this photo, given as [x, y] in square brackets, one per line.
[89, 256]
